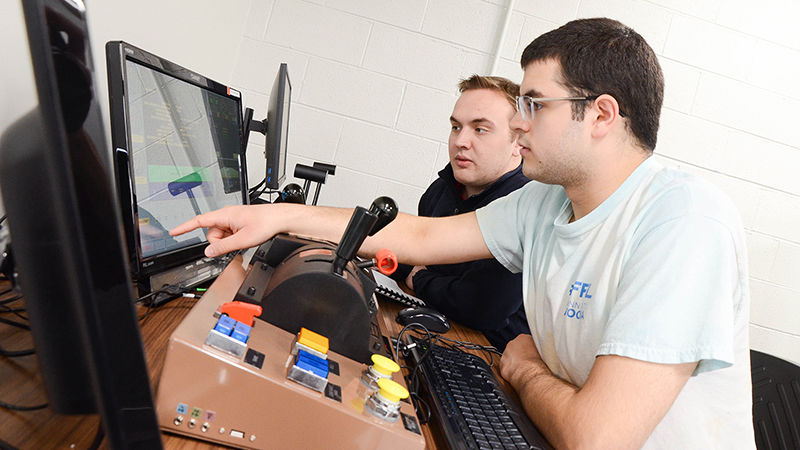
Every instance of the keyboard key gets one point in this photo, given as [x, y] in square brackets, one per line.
[483, 443]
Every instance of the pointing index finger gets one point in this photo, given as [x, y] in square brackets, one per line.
[189, 225]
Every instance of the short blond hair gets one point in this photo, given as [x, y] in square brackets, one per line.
[502, 85]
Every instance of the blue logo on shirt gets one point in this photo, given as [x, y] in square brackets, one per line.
[575, 307]
[582, 287]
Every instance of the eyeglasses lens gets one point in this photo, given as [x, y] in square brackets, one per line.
[525, 107]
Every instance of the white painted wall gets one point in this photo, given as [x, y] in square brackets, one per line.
[374, 83]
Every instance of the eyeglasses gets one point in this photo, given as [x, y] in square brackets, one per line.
[528, 105]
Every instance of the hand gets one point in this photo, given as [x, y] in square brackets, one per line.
[410, 277]
[232, 228]
[521, 359]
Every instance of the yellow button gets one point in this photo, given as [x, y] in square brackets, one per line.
[391, 390]
[384, 365]
[313, 340]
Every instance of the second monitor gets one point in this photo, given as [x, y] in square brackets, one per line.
[276, 129]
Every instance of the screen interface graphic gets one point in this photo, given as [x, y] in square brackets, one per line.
[185, 145]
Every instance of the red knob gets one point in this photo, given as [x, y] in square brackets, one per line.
[386, 261]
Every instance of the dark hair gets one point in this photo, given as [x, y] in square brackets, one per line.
[499, 84]
[603, 56]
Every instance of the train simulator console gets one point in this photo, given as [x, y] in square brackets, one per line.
[294, 361]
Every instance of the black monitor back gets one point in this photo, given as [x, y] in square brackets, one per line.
[66, 235]
[278, 128]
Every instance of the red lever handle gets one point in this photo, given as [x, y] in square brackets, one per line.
[241, 311]
[386, 261]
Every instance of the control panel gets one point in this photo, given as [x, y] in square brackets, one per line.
[232, 378]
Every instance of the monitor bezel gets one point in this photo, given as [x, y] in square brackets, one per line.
[117, 53]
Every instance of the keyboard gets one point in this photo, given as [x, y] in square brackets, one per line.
[469, 405]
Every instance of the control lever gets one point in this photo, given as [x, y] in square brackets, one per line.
[363, 223]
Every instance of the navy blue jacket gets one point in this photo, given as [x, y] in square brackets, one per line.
[481, 294]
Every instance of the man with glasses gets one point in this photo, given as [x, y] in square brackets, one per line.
[484, 165]
[634, 275]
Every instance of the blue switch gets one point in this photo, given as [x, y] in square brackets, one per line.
[241, 332]
[314, 364]
[225, 325]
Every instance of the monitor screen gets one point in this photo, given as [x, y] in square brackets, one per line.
[278, 128]
[185, 145]
[65, 230]
[178, 149]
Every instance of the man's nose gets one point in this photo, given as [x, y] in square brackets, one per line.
[518, 125]
[463, 140]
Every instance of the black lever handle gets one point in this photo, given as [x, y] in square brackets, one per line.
[386, 210]
[363, 223]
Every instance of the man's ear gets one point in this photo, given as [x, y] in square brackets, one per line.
[605, 114]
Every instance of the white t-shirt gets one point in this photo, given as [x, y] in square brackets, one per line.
[657, 272]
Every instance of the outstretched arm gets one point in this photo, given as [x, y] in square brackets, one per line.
[415, 240]
[619, 406]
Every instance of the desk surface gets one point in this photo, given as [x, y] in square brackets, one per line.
[21, 383]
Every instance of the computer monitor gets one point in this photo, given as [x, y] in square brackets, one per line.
[278, 128]
[66, 236]
[177, 140]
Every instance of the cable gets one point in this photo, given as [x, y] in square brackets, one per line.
[172, 291]
[3, 219]
[98, 437]
[413, 378]
[14, 324]
[255, 188]
[21, 407]
[15, 311]
[6, 446]
[10, 299]
[262, 192]
[151, 294]
[428, 341]
[152, 297]
[417, 401]
[16, 353]
[491, 350]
